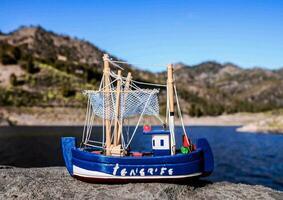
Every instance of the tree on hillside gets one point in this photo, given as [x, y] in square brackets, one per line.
[29, 66]
[68, 91]
[17, 53]
[13, 79]
[2, 33]
[7, 59]
[195, 111]
[93, 75]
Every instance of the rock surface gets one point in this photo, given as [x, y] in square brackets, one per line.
[55, 183]
[3, 122]
[271, 124]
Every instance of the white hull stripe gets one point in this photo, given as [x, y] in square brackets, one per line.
[95, 174]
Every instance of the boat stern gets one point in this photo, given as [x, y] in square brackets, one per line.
[208, 160]
[68, 143]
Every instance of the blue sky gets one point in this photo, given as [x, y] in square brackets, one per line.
[246, 32]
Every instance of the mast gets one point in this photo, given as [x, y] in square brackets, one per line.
[116, 108]
[116, 123]
[106, 72]
[170, 88]
[126, 88]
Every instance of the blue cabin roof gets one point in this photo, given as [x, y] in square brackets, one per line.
[156, 132]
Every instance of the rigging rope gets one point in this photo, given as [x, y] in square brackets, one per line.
[141, 101]
[140, 64]
[151, 84]
[134, 132]
[114, 64]
[85, 124]
[139, 82]
[180, 113]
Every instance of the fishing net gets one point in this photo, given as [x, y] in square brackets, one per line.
[132, 103]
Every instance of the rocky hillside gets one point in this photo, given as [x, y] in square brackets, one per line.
[42, 68]
[214, 88]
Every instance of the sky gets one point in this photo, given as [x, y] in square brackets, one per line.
[155, 33]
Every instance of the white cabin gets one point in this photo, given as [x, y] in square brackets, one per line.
[160, 142]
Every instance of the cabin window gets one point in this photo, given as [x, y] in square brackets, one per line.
[153, 142]
[162, 143]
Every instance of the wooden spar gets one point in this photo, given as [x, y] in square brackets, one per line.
[126, 88]
[106, 72]
[170, 88]
[116, 123]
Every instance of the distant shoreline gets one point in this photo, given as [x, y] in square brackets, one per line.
[54, 116]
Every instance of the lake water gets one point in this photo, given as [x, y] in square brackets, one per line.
[239, 157]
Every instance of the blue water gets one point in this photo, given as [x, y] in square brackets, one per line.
[244, 157]
[239, 157]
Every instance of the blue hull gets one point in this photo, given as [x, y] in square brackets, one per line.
[99, 168]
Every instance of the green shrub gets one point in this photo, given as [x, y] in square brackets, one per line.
[93, 75]
[68, 92]
[195, 111]
[19, 97]
[7, 59]
[17, 53]
[13, 79]
[29, 66]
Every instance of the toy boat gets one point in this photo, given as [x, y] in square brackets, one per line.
[107, 157]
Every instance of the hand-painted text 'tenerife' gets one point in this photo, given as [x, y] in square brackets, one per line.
[157, 171]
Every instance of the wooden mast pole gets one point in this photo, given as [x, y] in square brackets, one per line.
[106, 72]
[126, 88]
[116, 123]
[170, 88]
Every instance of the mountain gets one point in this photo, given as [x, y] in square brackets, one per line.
[230, 88]
[43, 68]
[50, 46]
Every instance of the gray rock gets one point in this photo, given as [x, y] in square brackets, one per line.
[3, 122]
[55, 183]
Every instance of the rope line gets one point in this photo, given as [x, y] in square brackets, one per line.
[180, 113]
[135, 101]
[140, 64]
[141, 116]
[152, 84]
[139, 82]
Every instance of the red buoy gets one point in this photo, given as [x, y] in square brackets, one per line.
[146, 128]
